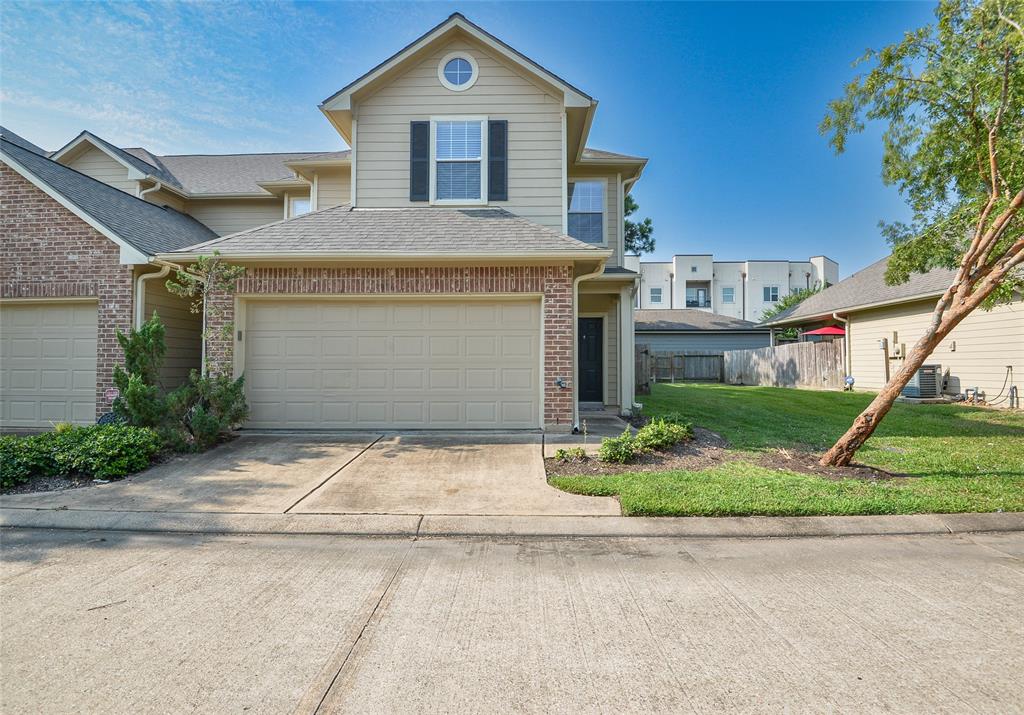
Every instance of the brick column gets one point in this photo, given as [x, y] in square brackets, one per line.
[220, 346]
[558, 337]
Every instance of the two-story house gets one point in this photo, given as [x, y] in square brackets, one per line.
[736, 289]
[460, 267]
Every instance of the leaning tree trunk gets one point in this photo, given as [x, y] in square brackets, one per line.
[862, 428]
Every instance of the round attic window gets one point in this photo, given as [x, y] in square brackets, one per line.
[458, 71]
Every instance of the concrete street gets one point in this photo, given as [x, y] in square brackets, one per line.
[111, 621]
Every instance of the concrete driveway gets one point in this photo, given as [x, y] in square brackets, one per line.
[357, 473]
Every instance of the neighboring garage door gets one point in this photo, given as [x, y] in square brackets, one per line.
[47, 363]
[393, 364]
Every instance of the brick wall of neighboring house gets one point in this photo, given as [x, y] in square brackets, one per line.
[48, 252]
[554, 282]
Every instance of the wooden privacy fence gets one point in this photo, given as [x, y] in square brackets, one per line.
[652, 366]
[817, 366]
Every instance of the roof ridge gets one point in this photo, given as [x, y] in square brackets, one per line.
[255, 153]
[237, 234]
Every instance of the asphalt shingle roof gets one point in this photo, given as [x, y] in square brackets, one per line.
[230, 173]
[682, 319]
[341, 229]
[866, 287]
[590, 153]
[22, 142]
[150, 228]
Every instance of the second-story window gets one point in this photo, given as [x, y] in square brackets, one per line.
[655, 295]
[771, 294]
[298, 206]
[458, 153]
[586, 211]
[728, 295]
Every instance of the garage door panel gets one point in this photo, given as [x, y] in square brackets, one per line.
[442, 364]
[47, 363]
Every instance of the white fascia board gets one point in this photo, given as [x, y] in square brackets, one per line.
[853, 309]
[129, 253]
[350, 256]
[133, 173]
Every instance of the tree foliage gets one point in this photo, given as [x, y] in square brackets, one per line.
[639, 235]
[789, 301]
[951, 96]
[209, 275]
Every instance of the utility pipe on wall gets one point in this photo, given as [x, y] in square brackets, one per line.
[846, 342]
[140, 293]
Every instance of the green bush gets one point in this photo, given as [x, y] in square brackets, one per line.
[139, 401]
[572, 454]
[99, 451]
[661, 434]
[208, 408]
[621, 449]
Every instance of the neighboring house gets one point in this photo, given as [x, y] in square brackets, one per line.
[740, 289]
[686, 330]
[882, 322]
[75, 261]
[461, 267]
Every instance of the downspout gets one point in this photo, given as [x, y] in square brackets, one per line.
[155, 187]
[140, 293]
[575, 342]
[846, 342]
[743, 295]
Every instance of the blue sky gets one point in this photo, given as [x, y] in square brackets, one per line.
[724, 98]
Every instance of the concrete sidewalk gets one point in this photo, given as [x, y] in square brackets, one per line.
[424, 525]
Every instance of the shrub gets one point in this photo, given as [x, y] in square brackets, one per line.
[99, 451]
[661, 434]
[573, 454]
[621, 449]
[110, 451]
[208, 407]
[139, 401]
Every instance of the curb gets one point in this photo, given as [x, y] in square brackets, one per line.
[416, 525]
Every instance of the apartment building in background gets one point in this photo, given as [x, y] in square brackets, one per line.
[738, 289]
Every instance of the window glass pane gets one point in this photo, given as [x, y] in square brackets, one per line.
[586, 196]
[300, 206]
[587, 227]
[655, 295]
[458, 180]
[458, 71]
[458, 140]
[728, 295]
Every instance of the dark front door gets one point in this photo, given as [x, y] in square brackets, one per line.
[591, 367]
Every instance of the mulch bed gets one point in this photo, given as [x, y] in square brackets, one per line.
[48, 484]
[708, 449]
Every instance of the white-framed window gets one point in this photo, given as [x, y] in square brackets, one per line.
[298, 206]
[771, 294]
[458, 152]
[728, 295]
[586, 211]
[457, 71]
[655, 295]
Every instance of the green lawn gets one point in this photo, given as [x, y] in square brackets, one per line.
[966, 459]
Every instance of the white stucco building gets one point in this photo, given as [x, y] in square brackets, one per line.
[738, 289]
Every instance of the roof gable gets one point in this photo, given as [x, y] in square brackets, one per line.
[22, 142]
[140, 228]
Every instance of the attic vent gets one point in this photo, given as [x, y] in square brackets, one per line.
[926, 382]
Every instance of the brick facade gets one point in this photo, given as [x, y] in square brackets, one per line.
[48, 252]
[553, 282]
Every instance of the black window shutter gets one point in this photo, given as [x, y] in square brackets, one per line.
[497, 160]
[419, 161]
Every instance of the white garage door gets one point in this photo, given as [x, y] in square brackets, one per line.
[47, 363]
[393, 364]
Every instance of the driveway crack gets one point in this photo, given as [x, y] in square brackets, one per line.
[335, 473]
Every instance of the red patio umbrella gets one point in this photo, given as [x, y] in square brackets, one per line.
[830, 330]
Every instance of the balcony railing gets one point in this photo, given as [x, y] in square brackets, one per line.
[698, 303]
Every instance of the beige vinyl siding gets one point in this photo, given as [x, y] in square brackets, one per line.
[165, 198]
[534, 133]
[334, 187]
[225, 216]
[606, 305]
[93, 162]
[612, 212]
[183, 332]
[985, 343]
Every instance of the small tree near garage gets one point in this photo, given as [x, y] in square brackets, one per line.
[951, 95]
